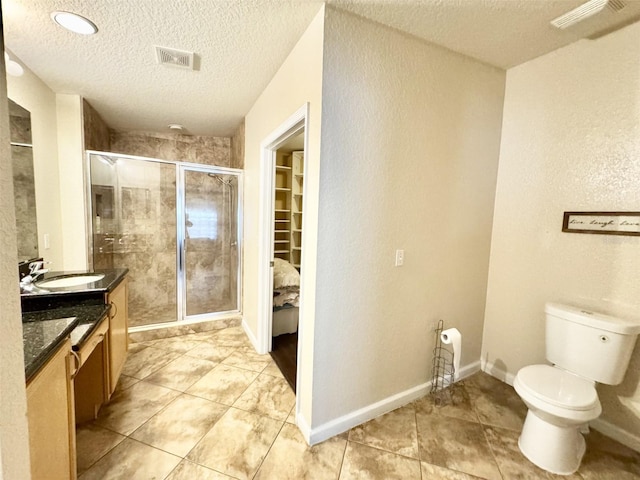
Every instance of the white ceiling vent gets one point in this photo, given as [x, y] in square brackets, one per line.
[171, 57]
[586, 10]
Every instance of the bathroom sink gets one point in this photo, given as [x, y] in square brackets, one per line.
[69, 280]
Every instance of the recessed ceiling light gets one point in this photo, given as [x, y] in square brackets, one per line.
[74, 23]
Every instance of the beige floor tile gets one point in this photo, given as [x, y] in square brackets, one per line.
[292, 416]
[434, 472]
[495, 402]
[181, 373]
[224, 384]
[93, 442]
[455, 444]
[395, 432]
[290, 458]
[248, 359]
[211, 352]
[454, 402]
[237, 443]
[147, 360]
[134, 406]
[607, 459]
[511, 462]
[368, 463]
[268, 396]
[273, 370]
[230, 337]
[125, 382]
[180, 344]
[190, 471]
[132, 460]
[181, 425]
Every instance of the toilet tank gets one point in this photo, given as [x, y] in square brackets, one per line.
[592, 345]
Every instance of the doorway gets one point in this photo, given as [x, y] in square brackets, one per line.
[280, 329]
[288, 197]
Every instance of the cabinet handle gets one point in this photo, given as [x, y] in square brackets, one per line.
[76, 360]
[114, 307]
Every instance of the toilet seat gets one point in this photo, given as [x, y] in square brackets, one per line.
[557, 387]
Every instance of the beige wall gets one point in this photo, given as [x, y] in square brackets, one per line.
[299, 80]
[410, 143]
[570, 141]
[31, 93]
[72, 182]
[14, 441]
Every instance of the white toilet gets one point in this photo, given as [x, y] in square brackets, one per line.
[584, 348]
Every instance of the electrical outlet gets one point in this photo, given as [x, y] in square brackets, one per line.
[399, 258]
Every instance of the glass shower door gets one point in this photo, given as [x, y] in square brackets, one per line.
[133, 205]
[210, 242]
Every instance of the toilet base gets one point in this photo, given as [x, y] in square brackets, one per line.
[555, 449]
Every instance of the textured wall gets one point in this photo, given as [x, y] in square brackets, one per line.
[570, 141]
[96, 131]
[14, 436]
[299, 80]
[410, 143]
[168, 146]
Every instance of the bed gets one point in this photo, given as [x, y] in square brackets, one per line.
[286, 298]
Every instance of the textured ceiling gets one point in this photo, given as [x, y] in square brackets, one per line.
[240, 44]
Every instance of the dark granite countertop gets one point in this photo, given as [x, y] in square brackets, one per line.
[112, 278]
[41, 339]
[49, 316]
[44, 298]
[87, 314]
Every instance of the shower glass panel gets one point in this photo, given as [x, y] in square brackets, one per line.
[133, 206]
[211, 243]
[175, 226]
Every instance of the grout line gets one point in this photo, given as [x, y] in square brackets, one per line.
[269, 449]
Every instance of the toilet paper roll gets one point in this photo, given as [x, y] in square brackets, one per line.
[453, 337]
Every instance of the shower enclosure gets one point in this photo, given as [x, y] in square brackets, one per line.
[175, 226]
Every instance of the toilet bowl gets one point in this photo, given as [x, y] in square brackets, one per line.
[584, 348]
[560, 405]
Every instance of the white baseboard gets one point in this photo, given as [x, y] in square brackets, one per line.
[497, 372]
[613, 431]
[364, 414]
[249, 333]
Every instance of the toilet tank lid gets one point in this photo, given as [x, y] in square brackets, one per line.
[593, 319]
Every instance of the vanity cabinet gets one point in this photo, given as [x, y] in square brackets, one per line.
[91, 384]
[117, 337]
[50, 407]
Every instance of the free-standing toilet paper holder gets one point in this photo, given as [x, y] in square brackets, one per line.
[443, 370]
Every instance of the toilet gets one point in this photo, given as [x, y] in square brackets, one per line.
[584, 348]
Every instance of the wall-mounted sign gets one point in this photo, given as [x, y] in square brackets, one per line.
[605, 223]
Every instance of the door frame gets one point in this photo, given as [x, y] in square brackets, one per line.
[291, 127]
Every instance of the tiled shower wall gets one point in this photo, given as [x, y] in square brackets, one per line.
[143, 234]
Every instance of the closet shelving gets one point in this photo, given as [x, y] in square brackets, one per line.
[289, 182]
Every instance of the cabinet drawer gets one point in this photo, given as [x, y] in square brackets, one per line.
[93, 341]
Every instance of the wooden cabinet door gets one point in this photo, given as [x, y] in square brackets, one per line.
[118, 332]
[50, 413]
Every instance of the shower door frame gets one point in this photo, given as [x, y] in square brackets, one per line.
[181, 292]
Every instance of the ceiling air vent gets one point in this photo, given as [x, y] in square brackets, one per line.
[586, 10]
[171, 57]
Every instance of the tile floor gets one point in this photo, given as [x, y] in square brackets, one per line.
[206, 406]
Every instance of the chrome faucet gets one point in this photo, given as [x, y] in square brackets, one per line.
[35, 270]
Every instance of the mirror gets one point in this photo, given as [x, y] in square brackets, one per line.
[23, 181]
